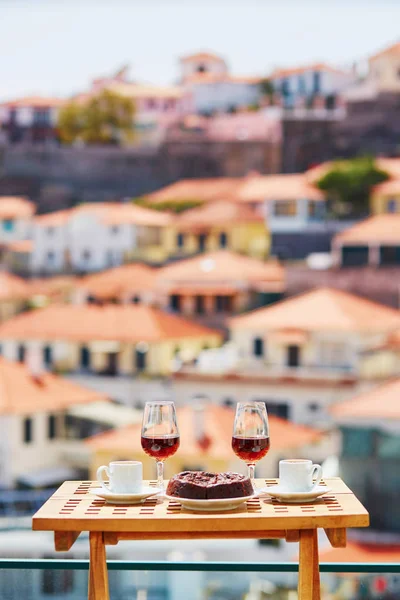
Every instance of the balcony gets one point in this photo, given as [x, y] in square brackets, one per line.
[39, 579]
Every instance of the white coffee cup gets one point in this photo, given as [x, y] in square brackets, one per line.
[125, 476]
[299, 475]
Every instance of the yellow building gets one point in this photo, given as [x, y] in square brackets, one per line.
[219, 224]
[109, 340]
[205, 444]
[385, 197]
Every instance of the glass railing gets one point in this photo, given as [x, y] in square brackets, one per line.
[142, 580]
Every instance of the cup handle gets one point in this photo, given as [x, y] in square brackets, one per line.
[99, 474]
[317, 473]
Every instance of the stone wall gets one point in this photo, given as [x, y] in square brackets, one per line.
[57, 177]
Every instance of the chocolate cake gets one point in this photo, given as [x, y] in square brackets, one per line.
[200, 485]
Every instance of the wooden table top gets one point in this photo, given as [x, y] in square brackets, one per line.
[72, 508]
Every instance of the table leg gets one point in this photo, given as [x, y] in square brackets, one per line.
[98, 575]
[309, 586]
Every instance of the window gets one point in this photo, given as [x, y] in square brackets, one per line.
[201, 68]
[199, 305]
[85, 358]
[314, 209]
[316, 82]
[86, 255]
[41, 116]
[258, 347]
[52, 427]
[354, 256]
[223, 303]
[202, 241]
[276, 408]
[293, 356]
[180, 240]
[391, 206]
[135, 300]
[332, 354]
[1, 349]
[285, 91]
[8, 225]
[151, 103]
[175, 302]
[21, 353]
[301, 85]
[313, 407]
[50, 231]
[48, 356]
[114, 229]
[285, 208]
[27, 425]
[389, 255]
[50, 256]
[223, 240]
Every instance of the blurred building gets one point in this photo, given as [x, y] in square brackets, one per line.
[225, 224]
[370, 456]
[32, 119]
[205, 444]
[299, 355]
[110, 340]
[95, 236]
[385, 197]
[40, 444]
[374, 242]
[16, 215]
[214, 286]
[206, 77]
[132, 283]
[301, 86]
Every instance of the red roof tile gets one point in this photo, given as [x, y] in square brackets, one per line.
[16, 207]
[377, 229]
[21, 393]
[110, 213]
[12, 287]
[382, 402]
[114, 283]
[124, 323]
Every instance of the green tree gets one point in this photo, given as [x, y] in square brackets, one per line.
[267, 89]
[348, 185]
[107, 118]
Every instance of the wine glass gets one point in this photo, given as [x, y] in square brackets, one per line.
[250, 438]
[160, 435]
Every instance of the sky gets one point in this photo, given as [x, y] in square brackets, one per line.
[55, 47]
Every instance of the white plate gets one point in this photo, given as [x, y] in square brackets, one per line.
[114, 498]
[217, 505]
[283, 495]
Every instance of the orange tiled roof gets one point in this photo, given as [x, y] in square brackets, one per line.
[387, 188]
[322, 309]
[217, 212]
[393, 49]
[221, 267]
[20, 393]
[114, 283]
[218, 423]
[196, 189]
[382, 402]
[110, 213]
[379, 228]
[53, 287]
[286, 72]
[201, 56]
[12, 287]
[16, 207]
[123, 323]
[358, 552]
[34, 102]
[279, 187]
[21, 246]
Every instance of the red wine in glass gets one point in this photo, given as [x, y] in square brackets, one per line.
[250, 449]
[160, 447]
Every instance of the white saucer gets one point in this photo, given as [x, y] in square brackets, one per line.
[114, 498]
[217, 505]
[283, 495]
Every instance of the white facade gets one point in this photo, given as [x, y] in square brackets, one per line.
[223, 95]
[15, 229]
[293, 215]
[84, 243]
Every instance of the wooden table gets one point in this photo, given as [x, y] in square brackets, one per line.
[71, 510]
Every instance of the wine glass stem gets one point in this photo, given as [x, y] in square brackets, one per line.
[251, 467]
[160, 474]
